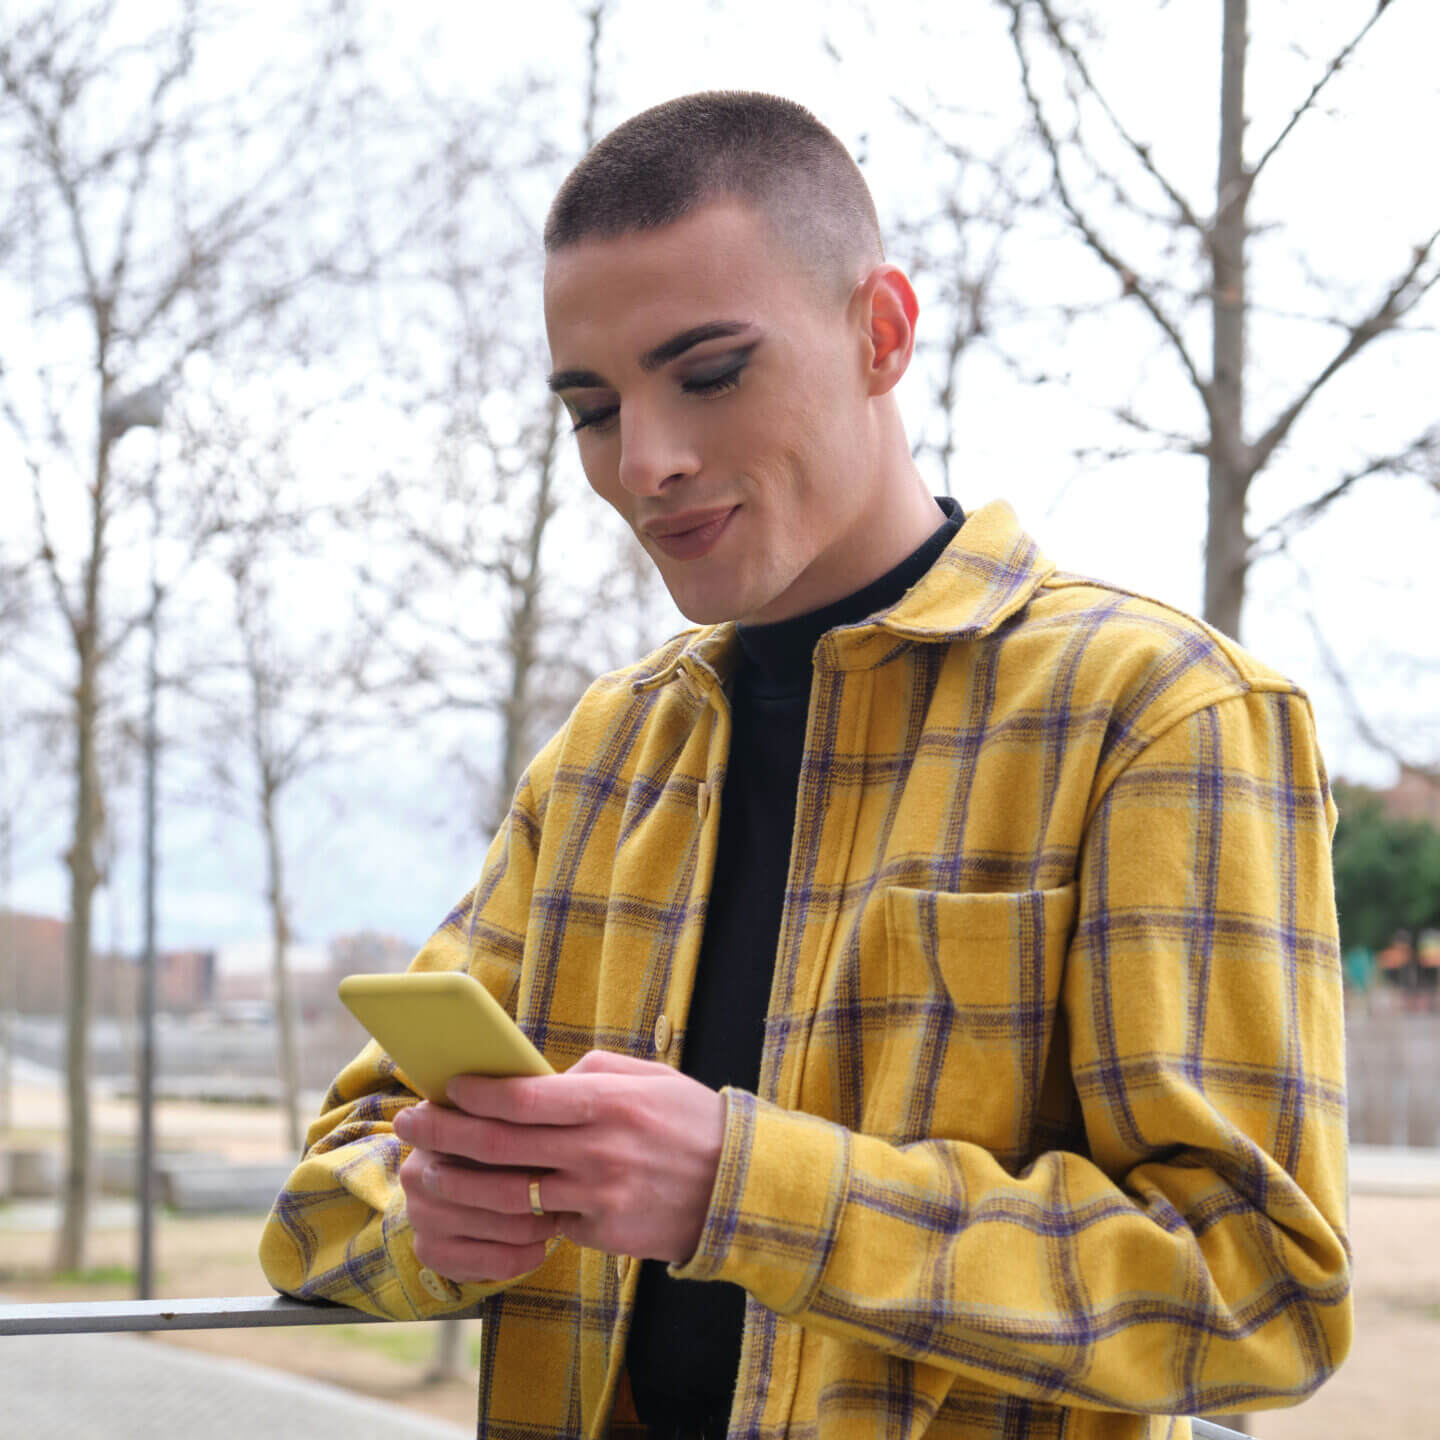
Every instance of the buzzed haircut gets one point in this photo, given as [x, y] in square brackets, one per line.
[761, 149]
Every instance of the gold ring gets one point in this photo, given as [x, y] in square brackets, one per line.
[536, 1208]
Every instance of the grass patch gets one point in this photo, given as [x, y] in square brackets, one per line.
[410, 1343]
[1421, 1305]
[96, 1275]
[29, 1138]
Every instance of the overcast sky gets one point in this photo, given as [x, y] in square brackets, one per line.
[375, 849]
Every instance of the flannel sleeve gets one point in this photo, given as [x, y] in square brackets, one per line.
[1195, 1257]
[338, 1230]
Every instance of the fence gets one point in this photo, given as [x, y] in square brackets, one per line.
[1393, 1074]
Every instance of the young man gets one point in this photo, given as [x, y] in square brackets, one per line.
[939, 948]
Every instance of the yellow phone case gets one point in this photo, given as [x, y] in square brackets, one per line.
[435, 1025]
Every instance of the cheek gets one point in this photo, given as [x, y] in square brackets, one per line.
[783, 435]
[802, 468]
[602, 474]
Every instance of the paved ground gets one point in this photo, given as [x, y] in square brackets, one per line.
[119, 1387]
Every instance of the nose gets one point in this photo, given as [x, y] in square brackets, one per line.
[654, 450]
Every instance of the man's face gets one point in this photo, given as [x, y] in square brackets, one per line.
[720, 401]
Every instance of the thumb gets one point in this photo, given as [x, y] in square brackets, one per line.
[607, 1062]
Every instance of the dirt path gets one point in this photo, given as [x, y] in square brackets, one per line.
[1390, 1385]
[242, 1132]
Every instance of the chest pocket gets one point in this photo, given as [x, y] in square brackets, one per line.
[973, 982]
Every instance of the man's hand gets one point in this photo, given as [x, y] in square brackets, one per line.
[625, 1152]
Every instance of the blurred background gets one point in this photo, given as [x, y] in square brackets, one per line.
[298, 567]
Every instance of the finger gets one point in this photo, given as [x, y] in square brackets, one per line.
[434, 1210]
[487, 1144]
[502, 1192]
[438, 1220]
[507, 1193]
[573, 1098]
[522, 1099]
[607, 1062]
[438, 1129]
[472, 1260]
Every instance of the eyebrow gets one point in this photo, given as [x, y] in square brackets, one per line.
[662, 354]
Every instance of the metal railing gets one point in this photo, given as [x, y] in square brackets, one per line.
[228, 1312]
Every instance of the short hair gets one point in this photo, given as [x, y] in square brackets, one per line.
[772, 153]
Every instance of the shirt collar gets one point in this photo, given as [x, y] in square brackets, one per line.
[985, 575]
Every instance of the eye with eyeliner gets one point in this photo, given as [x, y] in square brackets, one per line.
[592, 419]
[724, 375]
[721, 376]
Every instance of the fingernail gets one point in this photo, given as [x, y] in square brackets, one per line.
[402, 1123]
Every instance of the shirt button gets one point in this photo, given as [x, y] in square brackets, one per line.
[662, 1034]
[434, 1285]
[622, 1267]
[702, 799]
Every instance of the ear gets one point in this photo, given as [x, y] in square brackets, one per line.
[888, 311]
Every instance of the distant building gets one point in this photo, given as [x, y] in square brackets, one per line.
[32, 963]
[1415, 796]
[244, 979]
[184, 981]
[35, 980]
[234, 980]
[368, 952]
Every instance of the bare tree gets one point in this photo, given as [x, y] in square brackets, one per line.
[137, 252]
[955, 256]
[501, 609]
[299, 712]
[1177, 258]
[14, 605]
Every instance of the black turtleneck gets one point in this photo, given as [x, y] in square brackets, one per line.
[684, 1347]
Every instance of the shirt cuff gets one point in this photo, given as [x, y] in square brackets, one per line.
[780, 1190]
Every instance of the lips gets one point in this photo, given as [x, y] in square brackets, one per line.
[691, 535]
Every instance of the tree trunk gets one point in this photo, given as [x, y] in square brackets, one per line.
[84, 873]
[279, 968]
[447, 1361]
[9, 979]
[525, 625]
[70, 1249]
[1226, 544]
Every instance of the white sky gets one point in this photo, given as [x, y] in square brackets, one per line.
[1357, 186]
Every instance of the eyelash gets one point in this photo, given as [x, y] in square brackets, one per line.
[715, 385]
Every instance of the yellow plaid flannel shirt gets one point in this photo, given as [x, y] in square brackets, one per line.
[1050, 1134]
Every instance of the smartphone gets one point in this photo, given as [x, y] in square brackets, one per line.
[437, 1024]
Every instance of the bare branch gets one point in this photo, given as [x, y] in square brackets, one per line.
[165, 81]
[1361, 721]
[1425, 448]
[48, 557]
[47, 130]
[1172, 439]
[1127, 274]
[1402, 297]
[1183, 209]
[1308, 104]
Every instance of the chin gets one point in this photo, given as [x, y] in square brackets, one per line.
[734, 597]
[705, 611]
[709, 604]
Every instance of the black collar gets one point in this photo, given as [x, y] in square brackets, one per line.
[779, 656]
